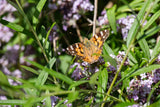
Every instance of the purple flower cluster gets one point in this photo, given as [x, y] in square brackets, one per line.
[72, 10]
[103, 20]
[84, 69]
[78, 73]
[10, 59]
[55, 99]
[140, 88]
[125, 25]
[5, 32]
[119, 58]
[5, 7]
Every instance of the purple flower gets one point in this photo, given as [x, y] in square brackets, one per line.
[54, 99]
[67, 104]
[156, 77]
[5, 32]
[78, 72]
[125, 25]
[5, 7]
[72, 10]
[103, 20]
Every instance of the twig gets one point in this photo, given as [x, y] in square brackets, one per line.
[95, 16]
[78, 33]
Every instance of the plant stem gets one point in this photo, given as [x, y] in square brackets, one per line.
[95, 16]
[33, 31]
[115, 77]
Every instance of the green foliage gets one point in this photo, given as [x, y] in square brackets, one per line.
[50, 74]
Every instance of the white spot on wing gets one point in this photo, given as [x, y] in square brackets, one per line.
[76, 45]
[71, 47]
[73, 52]
[101, 33]
[96, 36]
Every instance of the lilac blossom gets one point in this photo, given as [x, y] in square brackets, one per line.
[54, 100]
[5, 33]
[5, 7]
[140, 88]
[67, 104]
[78, 72]
[119, 58]
[125, 25]
[72, 10]
[103, 20]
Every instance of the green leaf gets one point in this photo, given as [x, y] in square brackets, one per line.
[103, 79]
[35, 64]
[30, 69]
[73, 96]
[48, 100]
[145, 48]
[136, 25]
[42, 78]
[38, 10]
[3, 80]
[156, 104]
[111, 60]
[112, 19]
[52, 72]
[150, 32]
[131, 55]
[156, 50]
[130, 71]
[12, 102]
[152, 20]
[145, 70]
[48, 33]
[107, 50]
[64, 62]
[51, 62]
[11, 25]
[77, 83]
[59, 76]
[151, 93]
[93, 79]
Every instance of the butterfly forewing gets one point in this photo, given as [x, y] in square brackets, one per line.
[76, 50]
[99, 39]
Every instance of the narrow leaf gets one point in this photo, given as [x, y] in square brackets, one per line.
[145, 70]
[11, 25]
[136, 25]
[112, 18]
[152, 20]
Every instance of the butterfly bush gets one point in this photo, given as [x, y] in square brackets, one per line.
[5, 33]
[72, 10]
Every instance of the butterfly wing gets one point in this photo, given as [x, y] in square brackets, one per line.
[79, 50]
[90, 50]
[99, 39]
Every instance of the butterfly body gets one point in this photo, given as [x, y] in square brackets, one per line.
[89, 50]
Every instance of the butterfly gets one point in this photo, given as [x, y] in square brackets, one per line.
[89, 50]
